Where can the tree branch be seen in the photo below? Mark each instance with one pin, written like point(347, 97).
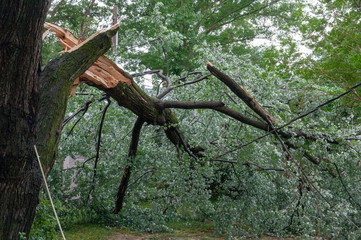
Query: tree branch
point(84, 109)
point(56, 8)
point(242, 94)
point(55, 84)
point(247, 163)
point(83, 29)
point(98, 146)
point(187, 105)
point(344, 186)
point(170, 88)
point(133, 148)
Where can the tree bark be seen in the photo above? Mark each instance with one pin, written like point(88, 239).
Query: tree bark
point(21, 25)
point(32, 107)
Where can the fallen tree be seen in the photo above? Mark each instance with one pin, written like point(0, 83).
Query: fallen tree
point(119, 85)
point(33, 104)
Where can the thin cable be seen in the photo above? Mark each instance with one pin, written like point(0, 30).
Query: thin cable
point(47, 189)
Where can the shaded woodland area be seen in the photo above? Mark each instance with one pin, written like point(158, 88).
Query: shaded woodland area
point(245, 114)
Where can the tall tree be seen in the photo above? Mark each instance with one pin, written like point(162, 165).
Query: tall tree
point(32, 107)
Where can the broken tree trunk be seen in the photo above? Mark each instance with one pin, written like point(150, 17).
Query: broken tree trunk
point(55, 86)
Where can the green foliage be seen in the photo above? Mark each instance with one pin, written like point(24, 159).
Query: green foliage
point(253, 189)
point(88, 231)
point(44, 226)
point(332, 31)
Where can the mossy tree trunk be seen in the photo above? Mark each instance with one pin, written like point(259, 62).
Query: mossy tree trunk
point(32, 107)
point(21, 25)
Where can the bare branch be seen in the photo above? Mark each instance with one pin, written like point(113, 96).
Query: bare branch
point(344, 186)
point(98, 145)
point(218, 106)
point(84, 109)
point(83, 29)
point(221, 160)
point(242, 94)
point(247, 163)
point(166, 61)
point(133, 148)
point(170, 88)
point(187, 75)
point(56, 8)
point(145, 173)
point(188, 105)
point(185, 147)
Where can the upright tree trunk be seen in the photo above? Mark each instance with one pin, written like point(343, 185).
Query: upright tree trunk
point(21, 25)
point(32, 106)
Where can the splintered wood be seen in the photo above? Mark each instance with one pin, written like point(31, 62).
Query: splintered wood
point(103, 72)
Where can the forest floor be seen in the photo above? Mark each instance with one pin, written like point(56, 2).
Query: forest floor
point(181, 231)
point(179, 235)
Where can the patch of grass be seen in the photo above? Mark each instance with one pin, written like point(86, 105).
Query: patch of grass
point(89, 232)
point(189, 230)
point(200, 230)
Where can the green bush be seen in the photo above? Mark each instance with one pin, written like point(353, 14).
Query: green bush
point(44, 226)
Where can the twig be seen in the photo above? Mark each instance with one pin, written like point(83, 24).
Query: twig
point(231, 98)
point(221, 160)
point(344, 186)
point(187, 75)
point(170, 88)
point(186, 147)
point(84, 109)
point(145, 173)
point(98, 145)
point(247, 163)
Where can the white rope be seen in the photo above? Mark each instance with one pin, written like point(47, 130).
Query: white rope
point(47, 189)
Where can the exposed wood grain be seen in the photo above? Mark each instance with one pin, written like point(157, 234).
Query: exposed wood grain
point(103, 72)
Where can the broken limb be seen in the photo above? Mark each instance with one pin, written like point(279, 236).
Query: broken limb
point(242, 94)
point(133, 148)
point(55, 85)
point(131, 96)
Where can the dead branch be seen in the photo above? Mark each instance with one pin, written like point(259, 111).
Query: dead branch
point(166, 61)
point(133, 148)
point(344, 186)
point(84, 109)
point(247, 163)
point(242, 94)
point(98, 146)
